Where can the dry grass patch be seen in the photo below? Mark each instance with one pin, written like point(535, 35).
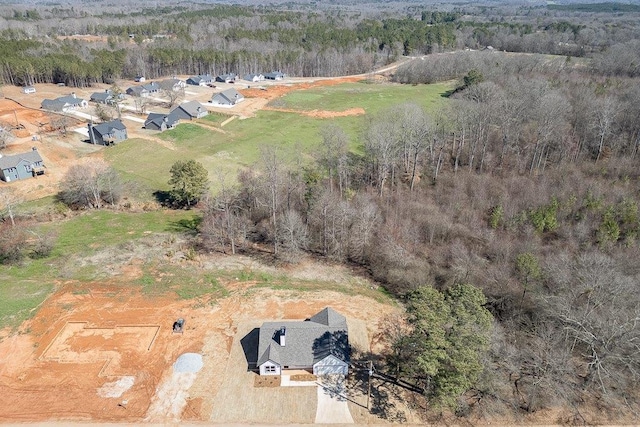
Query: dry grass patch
point(304, 377)
point(267, 381)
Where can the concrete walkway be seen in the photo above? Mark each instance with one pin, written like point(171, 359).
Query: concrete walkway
point(332, 405)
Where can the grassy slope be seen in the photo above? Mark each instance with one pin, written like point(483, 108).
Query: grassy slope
point(146, 162)
point(240, 145)
point(24, 287)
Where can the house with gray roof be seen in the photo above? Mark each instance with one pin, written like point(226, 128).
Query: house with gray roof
point(254, 78)
point(226, 78)
point(190, 110)
point(21, 166)
point(227, 98)
point(153, 88)
point(64, 103)
point(105, 97)
point(319, 344)
point(107, 133)
point(138, 91)
point(172, 84)
point(275, 75)
point(161, 121)
point(200, 80)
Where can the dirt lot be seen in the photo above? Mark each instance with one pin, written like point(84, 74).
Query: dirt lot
point(103, 352)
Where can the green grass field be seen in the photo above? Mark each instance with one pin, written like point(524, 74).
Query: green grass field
point(296, 135)
point(23, 287)
point(372, 97)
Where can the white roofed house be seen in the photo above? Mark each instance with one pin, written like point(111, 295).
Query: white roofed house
point(227, 98)
point(319, 344)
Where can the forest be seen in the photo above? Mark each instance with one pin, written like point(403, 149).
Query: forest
point(507, 222)
point(327, 41)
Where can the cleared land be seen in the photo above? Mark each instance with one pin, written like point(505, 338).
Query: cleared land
point(96, 344)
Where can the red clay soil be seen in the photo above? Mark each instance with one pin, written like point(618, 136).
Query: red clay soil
point(22, 121)
point(321, 114)
point(54, 369)
point(276, 91)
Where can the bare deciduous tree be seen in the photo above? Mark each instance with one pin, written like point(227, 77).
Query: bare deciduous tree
point(90, 183)
point(9, 199)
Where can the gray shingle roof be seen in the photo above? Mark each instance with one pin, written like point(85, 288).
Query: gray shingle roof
point(11, 161)
point(307, 342)
point(230, 96)
point(158, 118)
point(100, 96)
point(193, 108)
point(108, 127)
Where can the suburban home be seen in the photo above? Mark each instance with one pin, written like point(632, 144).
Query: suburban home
point(64, 103)
point(229, 97)
point(107, 133)
point(21, 166)
point(138, 91)
point(319, 344)
point(105, 97)
point(152, 87)
point(28, 89)
point(200, 80)
point(276, 75)
point(226, 78)
point(172, 84)
point(254, 77)
point(161, 122)
point(190, 110)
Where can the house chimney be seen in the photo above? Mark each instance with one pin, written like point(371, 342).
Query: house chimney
point(92, 137)
point(283, 334)
point(73, 94)
point(34, 149)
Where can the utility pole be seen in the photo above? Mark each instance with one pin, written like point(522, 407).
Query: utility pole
point(369, 386)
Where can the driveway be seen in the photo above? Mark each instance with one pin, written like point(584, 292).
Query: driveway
point(332, 403)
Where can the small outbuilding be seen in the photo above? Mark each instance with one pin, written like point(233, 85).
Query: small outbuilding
point(28, 89)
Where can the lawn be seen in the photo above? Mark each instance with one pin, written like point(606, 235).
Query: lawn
point(372, 97)
point(224, 154)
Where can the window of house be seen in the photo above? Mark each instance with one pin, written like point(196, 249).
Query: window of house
point(270, 369)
